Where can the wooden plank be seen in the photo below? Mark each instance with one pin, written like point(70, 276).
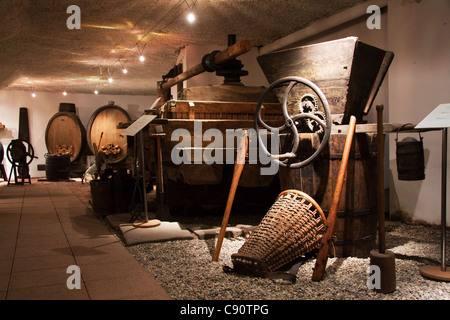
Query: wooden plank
point(372, 128)
point(225, 93)
point(219, 106)
point(24, 130)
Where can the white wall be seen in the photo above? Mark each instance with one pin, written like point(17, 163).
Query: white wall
point(373, 37)
point(419, 33)
point(45, 105)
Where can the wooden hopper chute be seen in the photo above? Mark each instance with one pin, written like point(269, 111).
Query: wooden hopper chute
point(348, 71)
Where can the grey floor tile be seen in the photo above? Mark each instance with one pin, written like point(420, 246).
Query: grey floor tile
point(52, 292)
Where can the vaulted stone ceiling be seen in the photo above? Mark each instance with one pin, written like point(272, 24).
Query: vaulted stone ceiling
point(38, 51)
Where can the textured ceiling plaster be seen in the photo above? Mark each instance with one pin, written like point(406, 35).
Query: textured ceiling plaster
point(38, 51)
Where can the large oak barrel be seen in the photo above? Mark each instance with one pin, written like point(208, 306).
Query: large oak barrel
point(65, 133)
point(356, 224)
point(103, 124)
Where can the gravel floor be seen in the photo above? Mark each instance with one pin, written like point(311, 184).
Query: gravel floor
point(186, 270)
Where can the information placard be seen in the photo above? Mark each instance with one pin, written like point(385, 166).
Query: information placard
point(138, 125)
point(438, 118)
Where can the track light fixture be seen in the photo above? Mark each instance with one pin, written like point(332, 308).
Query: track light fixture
point(110, 79)
point(124, 70)
point(191, 16)
point(141, 52)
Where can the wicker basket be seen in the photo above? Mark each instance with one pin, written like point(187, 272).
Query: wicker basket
point(292, 228)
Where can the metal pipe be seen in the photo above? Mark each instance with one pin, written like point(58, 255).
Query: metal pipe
point(444, 198)
point(142, 165)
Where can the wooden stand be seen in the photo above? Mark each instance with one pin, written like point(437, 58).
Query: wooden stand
point(137, 127)
point(146, 223)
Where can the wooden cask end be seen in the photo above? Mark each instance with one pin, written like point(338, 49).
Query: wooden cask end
point(105, 120)
point(65, 131)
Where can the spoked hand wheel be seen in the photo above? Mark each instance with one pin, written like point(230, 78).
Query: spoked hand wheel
point(20, 151)
point(322, 120)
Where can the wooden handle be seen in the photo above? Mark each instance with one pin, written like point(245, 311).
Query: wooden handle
point(322, 256)
point(380, 178)
point(238, 167)
point(228, 54)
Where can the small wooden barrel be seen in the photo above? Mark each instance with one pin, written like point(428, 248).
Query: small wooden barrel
point(57, 167)
point(65, 133)
point(356, 224)
point(67, 107)
point(410, 158)
point(105, 120)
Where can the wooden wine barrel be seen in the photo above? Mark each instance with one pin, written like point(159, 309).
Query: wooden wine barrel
point(356, 225)
point(105, 120)
point(67, 107)
point(65, 132)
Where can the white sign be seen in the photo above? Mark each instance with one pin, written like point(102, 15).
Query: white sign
point(138, 125)
point(438, 118)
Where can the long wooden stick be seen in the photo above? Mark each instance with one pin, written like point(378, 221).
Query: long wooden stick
point(322, 256)
point(380, 179)
point(238, 167)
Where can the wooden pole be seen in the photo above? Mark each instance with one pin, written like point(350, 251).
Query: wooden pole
point(322, 256)
point(380, 179)
point(238, 167)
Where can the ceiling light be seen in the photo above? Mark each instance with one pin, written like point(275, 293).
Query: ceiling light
point(124, 70)
point(95, 91)
point(141, 58)
point(191, 17)
point(110, 80)
point(33, 95)
point(64, 93)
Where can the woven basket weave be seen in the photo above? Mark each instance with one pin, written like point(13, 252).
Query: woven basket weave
point(292, 227)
